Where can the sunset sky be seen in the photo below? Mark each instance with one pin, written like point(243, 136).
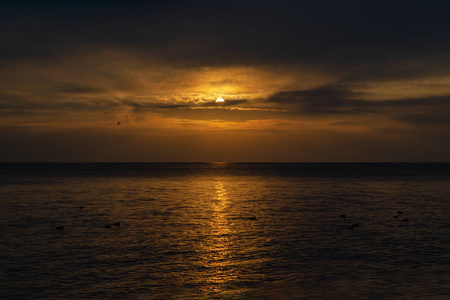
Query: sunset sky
point(302, 81)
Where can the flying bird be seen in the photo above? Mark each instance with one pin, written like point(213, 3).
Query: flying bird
point(118, 123)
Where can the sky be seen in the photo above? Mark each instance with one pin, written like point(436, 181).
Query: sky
point(302, 81)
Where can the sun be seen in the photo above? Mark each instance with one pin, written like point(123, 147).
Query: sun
point(220, 99)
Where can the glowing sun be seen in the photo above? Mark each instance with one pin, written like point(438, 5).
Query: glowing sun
point(220, 99)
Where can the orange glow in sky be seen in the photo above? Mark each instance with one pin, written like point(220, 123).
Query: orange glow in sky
point(223, 93)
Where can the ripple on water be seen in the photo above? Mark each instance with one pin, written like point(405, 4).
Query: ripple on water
point(221, 235)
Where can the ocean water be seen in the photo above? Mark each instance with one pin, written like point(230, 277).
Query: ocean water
point(225, 231)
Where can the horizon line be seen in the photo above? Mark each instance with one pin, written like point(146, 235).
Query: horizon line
point(223, 162)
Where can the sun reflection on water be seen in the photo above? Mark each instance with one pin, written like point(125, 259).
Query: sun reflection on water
point(218, 247)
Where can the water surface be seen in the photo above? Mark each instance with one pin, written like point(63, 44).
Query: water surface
point(252, 231)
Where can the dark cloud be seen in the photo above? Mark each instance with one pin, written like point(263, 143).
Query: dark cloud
point(21, 103)
point(17, 102)
point(71, 88)
point(329, 100)
point(230, 32)
point(148, 106)
point(322, 100)
point(29, 103)
point(438, 118)
point(223, 104)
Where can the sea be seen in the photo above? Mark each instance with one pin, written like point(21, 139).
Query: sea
point(225, 231)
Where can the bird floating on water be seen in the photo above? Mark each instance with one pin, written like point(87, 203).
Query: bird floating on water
point(356, 225)
point(399, 212)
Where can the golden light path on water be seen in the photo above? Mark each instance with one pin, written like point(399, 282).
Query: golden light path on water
point(218, 247)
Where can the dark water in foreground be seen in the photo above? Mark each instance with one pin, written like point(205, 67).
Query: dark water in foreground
point(233, 231)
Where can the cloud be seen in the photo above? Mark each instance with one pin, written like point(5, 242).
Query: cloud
point(177, 104)
point(72, 88)
point(321, 100)
point(226, 103)
point(150, 106)
point(438, 118)
point(338, 100)
point(217, 33)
